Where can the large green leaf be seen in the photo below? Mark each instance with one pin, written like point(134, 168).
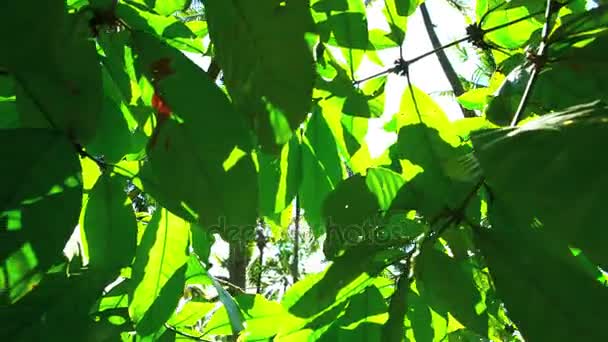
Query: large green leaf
point(341, 280)
point(263, 318)
point(268, 67)
point(518, 34)
point(9, 117)
point(351, 212)
point(532, 272)
point(439, 186)
point(216, 180)
point(59, 80)
point(360, 320)
point(321, 169)
point(548, 169)
point(448, 286)
point(110, 228)
point(118, 64)
point(279, 177)
point(159, 271)
point(394, 329)
point(57, 310)
point(114, 139)
point(40, 201)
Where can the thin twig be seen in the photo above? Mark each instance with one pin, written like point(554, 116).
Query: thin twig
point(183, 334)
point(443, 47)
point(226, 282)
point(378, 74)
point(541, 55)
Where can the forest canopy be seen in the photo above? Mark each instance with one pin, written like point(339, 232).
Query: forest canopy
point(171, 169)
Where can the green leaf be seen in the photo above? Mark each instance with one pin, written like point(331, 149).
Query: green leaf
point(448, 286)
point(321, 169)
point(421, 108)
point(109, 225)
point(360, 320)
point(159, 271)
point(279, 177)
point(57, 308)
point(216, 180)
point(164, 7)
point(41, 177)
point(61, 88)
point(191, 313)
point(503, 105)
point(515, 35)
point(394, 329)
point(436, 188)
point(263, 318)
point(170, 29)
point(350, 213)
point(532, 271)
point(339, 93)
point(420, 319)
point(235, 316)
point(265, 59)
point(167, 7)
point(349, 29)
point(396, 13)
point(384, 184)
point(120, 81)
point(552, 160)
point(475, 98)
point(340, 281)
point(114, 139)
point(576, 77)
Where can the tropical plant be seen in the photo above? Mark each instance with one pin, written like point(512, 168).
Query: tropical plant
point(124, 162)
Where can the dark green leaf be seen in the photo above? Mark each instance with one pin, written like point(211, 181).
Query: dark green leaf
point(267, 65)
point(341, 280)
point(559, 180)
point(394, 329)
point(61, 88)
point(215, 179)
point(57, 309)
point(41, 179)
point(448, 286)
point(350, 212)
point(532, 272)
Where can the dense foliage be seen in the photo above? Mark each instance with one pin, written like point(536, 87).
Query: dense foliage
point(123, 161)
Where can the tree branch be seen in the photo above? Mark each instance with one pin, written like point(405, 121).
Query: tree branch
point(449, 71)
